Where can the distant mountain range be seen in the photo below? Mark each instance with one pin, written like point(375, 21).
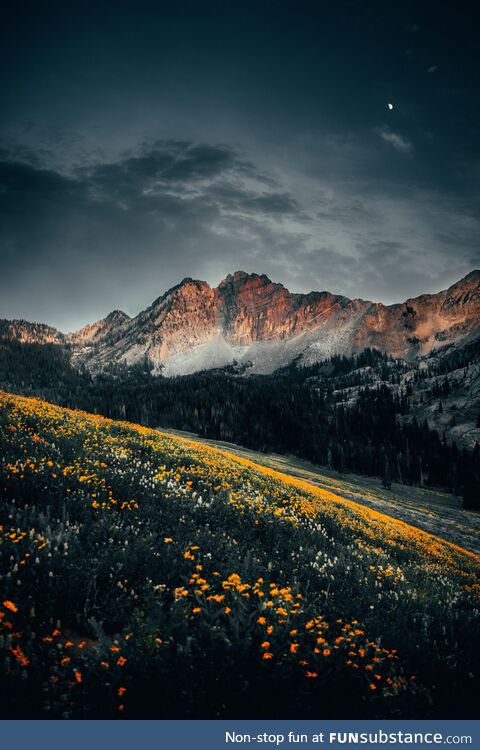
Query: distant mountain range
point(259, 324)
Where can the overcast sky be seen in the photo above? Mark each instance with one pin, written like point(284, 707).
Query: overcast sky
point(142, 142)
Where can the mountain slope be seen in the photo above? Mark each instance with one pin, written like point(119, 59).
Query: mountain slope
point(260, 324)
point(30, 333)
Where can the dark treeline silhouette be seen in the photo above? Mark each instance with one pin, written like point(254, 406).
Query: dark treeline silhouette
point(297, 410)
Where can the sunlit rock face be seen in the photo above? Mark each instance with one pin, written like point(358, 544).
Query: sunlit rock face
point(250, 319)
point(424, 323)
point(252, 308)
point(182, 318)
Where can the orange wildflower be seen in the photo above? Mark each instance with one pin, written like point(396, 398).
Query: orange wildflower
point(20, 656)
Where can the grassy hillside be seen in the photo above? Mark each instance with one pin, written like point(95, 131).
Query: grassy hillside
point(145, 575)
point(366, 414)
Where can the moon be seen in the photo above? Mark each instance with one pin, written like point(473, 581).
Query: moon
point(390, 106)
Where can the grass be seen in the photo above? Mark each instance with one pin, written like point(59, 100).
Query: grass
point(435, 511)
point(145, 575)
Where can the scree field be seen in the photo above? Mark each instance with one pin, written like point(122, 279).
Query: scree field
point(144, 575)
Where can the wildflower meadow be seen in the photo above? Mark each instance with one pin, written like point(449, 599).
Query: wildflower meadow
point(144, 575)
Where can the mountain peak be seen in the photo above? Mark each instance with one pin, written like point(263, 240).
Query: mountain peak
point(95, 332)
point(472, 276)
point(243, 276)
point(188, 281)
point(116, 316)
point(468, 284)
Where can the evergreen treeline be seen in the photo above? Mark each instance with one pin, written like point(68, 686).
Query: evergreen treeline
point(296, 410)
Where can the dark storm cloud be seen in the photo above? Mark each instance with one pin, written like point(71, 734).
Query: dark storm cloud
point(180, 174)
point(166, 162)
point(88, 233)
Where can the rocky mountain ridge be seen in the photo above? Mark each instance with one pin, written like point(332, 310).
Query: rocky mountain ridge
point(257, 323)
